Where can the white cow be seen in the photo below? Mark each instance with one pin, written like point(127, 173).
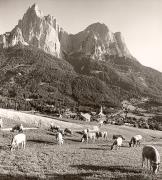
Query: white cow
point(135, 140)
point(89, 135)
point(93, 129)
point(17, 140)
point(59, 138)
point(151, 154)
point(117, 142)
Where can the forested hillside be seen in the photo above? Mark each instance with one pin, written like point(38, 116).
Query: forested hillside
point(29, 75)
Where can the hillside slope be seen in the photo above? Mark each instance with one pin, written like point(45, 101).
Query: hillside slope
point(126, 76)
point(30, 74)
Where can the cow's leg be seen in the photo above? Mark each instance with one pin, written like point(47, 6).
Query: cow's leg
point(143, 160)
point(94, 139)
point(150, 165)
point(147, 163)
point(87, 140)
point(24, 144)
point(112, 147)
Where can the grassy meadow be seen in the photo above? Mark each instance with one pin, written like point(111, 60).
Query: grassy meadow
point(44, 159)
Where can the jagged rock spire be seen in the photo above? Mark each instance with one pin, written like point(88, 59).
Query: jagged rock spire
point(45, 33)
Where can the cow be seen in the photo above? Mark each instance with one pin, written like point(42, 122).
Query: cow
point(102, 134)
point(116, 136)
point(117, 142)
point(17, 140)
point(18, 127)
point(88, 135)
point(53, 127)
point(135, 140)
point(59, 138)
point(151, 154)
point(68, 131)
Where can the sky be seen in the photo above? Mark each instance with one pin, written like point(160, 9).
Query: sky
point(140, 21)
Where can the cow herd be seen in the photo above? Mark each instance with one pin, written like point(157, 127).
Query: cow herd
point(149, 153)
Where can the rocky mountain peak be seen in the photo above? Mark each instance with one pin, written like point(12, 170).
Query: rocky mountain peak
point(34, 9)
point(97, 41)
point(99, 28)
point(44, 32)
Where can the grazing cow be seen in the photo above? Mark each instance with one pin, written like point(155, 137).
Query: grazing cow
point(135, 140)
point(93, 129)
point(84, 137)
point(102, 134)
point(53, 127)
point(68, 131)
point(151, 154)
point(117, 142)
point(18, 127)
point(88, 135)
point(59, 138)
point(17, 140)
point(92, 136)
point(116, 136)
point(1, 123)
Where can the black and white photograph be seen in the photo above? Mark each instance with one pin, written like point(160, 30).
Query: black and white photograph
point(80, 89)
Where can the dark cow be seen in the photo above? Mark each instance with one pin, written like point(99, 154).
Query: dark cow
point(68, 131)
point(18, 127)
point(118, 135)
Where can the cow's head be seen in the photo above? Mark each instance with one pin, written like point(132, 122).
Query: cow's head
point(155, 167)
point(130, 144)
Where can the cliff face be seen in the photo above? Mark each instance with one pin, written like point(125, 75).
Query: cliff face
point(97, 40)
point(36, 30)
point(44, 32)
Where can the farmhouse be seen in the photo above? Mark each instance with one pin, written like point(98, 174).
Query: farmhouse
point(85, 116)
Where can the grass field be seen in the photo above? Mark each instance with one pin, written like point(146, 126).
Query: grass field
point(44, 159)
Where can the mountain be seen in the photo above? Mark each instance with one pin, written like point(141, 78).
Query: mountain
point(97, 40)
point(41, 63)
point(36, 30)
point(44, 32)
